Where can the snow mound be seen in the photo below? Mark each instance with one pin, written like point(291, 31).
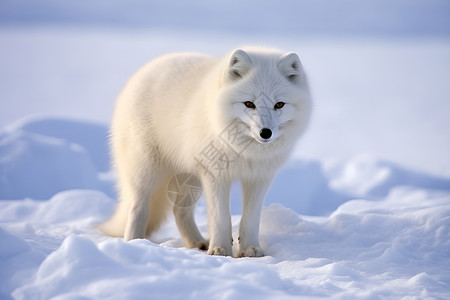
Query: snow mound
point(92, 137)
point(367, 176)
point(118, 270)
point(18, 262)
point(40, 157)
point(82, 207)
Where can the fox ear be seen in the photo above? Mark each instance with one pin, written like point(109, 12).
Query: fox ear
point(239, 64)
point(291, 67)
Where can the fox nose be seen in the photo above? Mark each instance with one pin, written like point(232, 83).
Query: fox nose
point(265, 133)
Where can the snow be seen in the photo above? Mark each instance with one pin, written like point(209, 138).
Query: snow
point(361, 211)
point(77, 153)
point(393, 247)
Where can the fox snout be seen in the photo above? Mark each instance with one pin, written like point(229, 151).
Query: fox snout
point(265, 133)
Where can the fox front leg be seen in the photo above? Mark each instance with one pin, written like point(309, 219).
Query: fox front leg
point(217, 194)
point(253, 192)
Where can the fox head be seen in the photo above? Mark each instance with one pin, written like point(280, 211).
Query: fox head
point(267, 94)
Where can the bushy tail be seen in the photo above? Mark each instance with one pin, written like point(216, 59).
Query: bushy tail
point(115, 226)
point(159, 206)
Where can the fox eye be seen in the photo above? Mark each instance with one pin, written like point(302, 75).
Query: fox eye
point(278, 105)
point(249, 104)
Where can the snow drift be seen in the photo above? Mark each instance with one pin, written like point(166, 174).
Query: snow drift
point(40, 157)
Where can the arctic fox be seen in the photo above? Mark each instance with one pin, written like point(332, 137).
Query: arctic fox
point(190, 122)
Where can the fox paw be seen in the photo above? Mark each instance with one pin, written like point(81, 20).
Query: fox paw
point(218, 251)
point(202, 245)
point(251, 251)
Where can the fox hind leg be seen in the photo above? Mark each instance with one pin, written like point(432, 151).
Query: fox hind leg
point(139, 182)
point(184, 190)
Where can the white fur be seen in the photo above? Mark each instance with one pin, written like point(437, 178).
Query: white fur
point(180, 104)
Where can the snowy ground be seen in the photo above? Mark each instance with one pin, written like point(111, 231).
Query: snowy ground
point(361, 211)
point(391, 241)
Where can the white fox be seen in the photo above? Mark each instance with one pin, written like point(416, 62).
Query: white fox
point(189, 120)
